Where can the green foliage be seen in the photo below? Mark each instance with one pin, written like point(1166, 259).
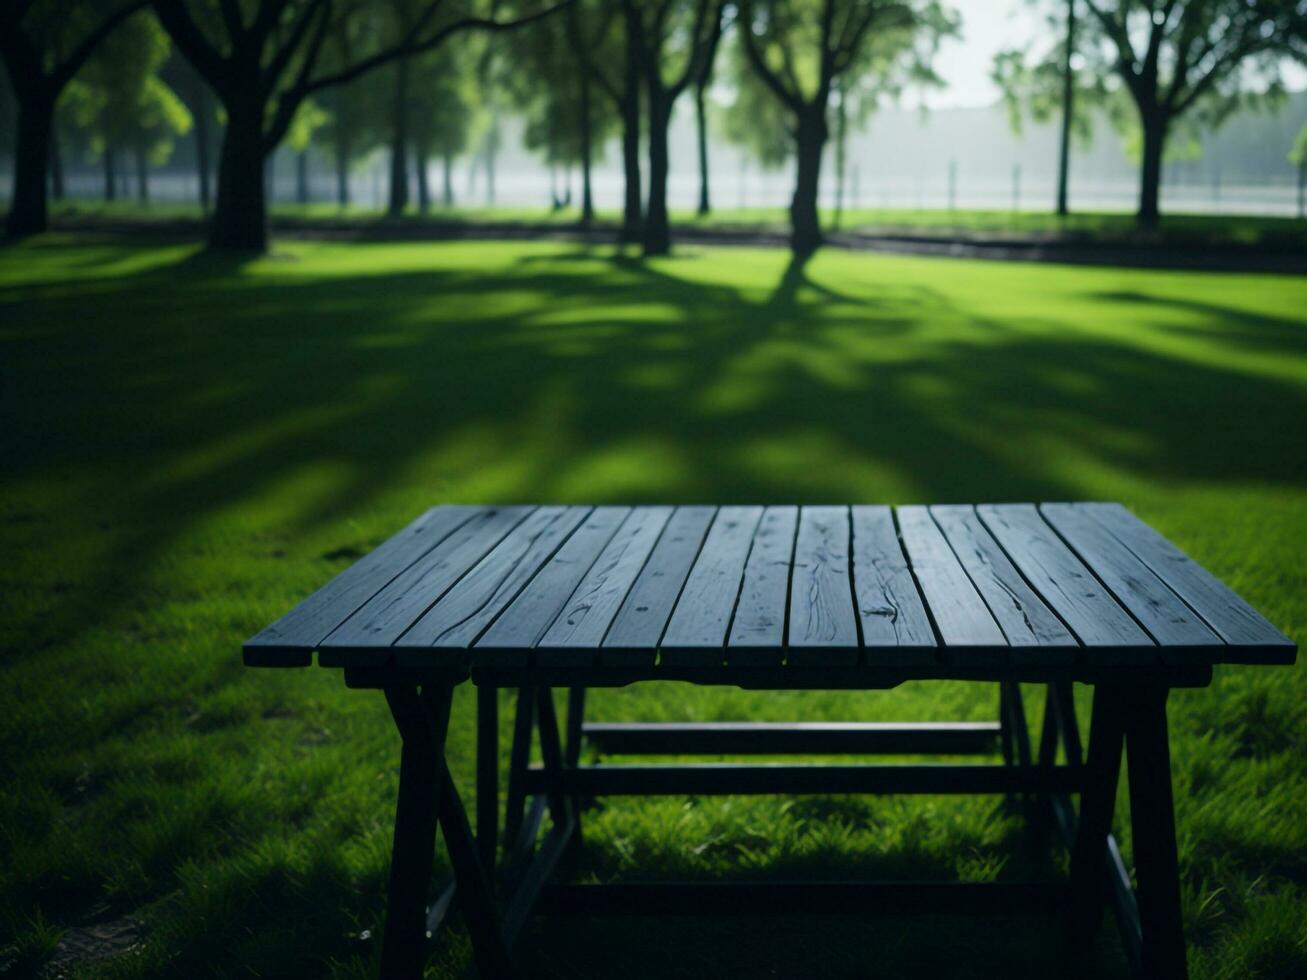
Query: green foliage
point(119, 100)
point(1298, 154)
point(755, 120)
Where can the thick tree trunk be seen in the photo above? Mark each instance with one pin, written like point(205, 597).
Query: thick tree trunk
point(448, 181)
point(203, 110)
point(632, 212)
point(110, 173)
point(1068, 108)
point(587, 199)
point(240, 214)
point(1150, 174)
point(399, 143)
point(701, 120)
point(424, 188)
point(805, 222)
point(657, 238)
point(28, 207)
point(142, 176)
point(56, 166)
point(302, 176)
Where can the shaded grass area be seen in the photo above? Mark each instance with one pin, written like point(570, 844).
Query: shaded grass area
point(1100, 228)
point(192, 444)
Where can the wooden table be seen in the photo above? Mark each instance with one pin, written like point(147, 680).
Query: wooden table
point(776, 598)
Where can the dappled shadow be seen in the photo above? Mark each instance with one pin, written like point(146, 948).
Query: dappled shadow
point(143, 407)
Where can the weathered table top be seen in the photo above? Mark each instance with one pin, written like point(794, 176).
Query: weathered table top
point(803, 587)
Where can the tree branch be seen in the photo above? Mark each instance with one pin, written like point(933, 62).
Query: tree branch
point(792, 100)
point(197, 48)
point(63, 73)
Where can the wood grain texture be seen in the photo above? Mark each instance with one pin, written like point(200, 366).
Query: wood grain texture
point(292, 638)
point(366, 636)
point(1067, 586)
point(696, 633)
point(575, 636)
point(1173, 625)
point(1250, 637)
point(965, 626)
point(1024, 618)
point(758, 630)
point(469, 608)
point(823, 626)
point(633, 638)
point(521, 626)
point(895, 626)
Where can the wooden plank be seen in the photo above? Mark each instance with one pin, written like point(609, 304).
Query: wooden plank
point(895, 626)
point(292, 638)
point(696, 633)
point(1067, 586)
point(966, 627)
point(823, 626)
point(469, 608)
point(758, 629)
point(510, 639)
point(1178, 631)
point(1033, 630)
point(633, 638)
point(365, 637)
point(575, 636)
point(1250, 637)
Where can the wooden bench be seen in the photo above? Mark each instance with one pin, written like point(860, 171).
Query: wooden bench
point(775, 598)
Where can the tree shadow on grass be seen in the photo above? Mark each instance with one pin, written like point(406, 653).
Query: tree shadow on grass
point(144, 409)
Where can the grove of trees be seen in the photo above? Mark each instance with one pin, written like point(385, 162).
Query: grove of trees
point(118, 82)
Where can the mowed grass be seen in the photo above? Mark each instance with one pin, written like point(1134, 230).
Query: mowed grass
point(190, 445)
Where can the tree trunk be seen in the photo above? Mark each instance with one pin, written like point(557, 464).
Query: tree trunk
point(701, 120)
point(448, 179)
point(657, 233)
point(841, 141)
point(240, 214)
point(1150, 175)
point(810, 141)
point(399, 143)
point(492, 147)
point(587, 200)
point(1302, 187)
point(200, 98)
point(1068, 108)
point(302, 176)
point(56, 165)
point(632, 213)
point(142, 176)
point(342, 171)
point(28, 208)
point(110, 173)
point(424, 189)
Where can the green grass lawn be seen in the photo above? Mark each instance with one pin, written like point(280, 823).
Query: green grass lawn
point(191, 445)
point(1099, 227)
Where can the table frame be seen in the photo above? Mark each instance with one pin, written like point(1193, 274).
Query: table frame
point(1128, 721)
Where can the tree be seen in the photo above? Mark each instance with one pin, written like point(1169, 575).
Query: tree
point(122, 104)
point(801, 49)
point(356, 110)
point(667, 35)
point(606, 42)
point(262, 59)
point(44, 44)
point(1298, 157)
point(755, 120)
point(1195, 59)
point(443, 110)
point(701, 82)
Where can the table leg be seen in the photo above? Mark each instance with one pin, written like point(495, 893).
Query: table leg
point(422, 719)
point(1152, 819)
point(519, 756)
point(487, 774)
point(1097, 801)
point(575, 721)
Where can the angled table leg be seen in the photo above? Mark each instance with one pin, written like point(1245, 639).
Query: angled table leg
point(1097, 801)
point(487, 796)
point(1152, 819)
point(427, 795)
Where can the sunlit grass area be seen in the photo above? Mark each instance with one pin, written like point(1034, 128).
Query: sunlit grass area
point(192, 444)
point(1089, 226)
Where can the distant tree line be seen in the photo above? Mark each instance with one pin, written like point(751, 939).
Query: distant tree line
point(119, 81)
